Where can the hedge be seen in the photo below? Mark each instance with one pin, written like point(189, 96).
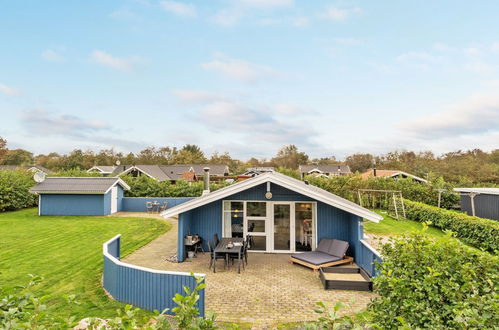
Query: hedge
point(14, 190)
point(478, 232)
point(435, 284)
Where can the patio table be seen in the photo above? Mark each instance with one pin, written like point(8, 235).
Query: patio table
point(222, 248)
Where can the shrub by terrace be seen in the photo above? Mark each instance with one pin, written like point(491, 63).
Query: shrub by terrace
point(435, 284)
point(14, 190)
point(479, 232)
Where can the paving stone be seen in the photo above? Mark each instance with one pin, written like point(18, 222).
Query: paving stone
point(269, 291)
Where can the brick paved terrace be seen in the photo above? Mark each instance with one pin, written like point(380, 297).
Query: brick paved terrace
point(268, 292)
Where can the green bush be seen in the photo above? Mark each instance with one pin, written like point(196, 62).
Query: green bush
point(347, 187)
point(435, 284)
point(76, 172)
point(144, 186)
point(14, 190)
point(479, 232)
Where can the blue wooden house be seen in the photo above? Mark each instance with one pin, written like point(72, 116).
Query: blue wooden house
point(281, 214)
point(80, 196)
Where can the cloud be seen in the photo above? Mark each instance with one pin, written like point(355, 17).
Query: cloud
point(266, 4)
point(417, 56)
point(478, 115)
point(193, 96)
point(472, 51)
point(349, 41)
point(240, 9)
point(228, 16)
point(481, 67)
point(118, 63)
point(43, 122)
point(271, 126)
point(179, 8)
point(52, 55)
point(441, 47)
point(338, 14)
point(299, 21)
point(9, 90)
point(239, 69)
point(125, 14)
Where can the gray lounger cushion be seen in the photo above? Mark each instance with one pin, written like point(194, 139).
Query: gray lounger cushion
point(324, 245)
point(338, 248)
point(315, 258)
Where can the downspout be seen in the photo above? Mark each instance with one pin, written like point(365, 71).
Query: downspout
point(472, 198)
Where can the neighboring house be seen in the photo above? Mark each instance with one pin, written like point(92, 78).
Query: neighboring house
point(79, 196)
point(280, 213)
point(324, 170)
point(480, 202)
point(105, 170)
point(171, 173)
point(391, 174)
point(254, 171)
point(32, 168)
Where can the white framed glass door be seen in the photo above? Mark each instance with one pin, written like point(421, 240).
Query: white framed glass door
point(283, 224)
point(256, 225)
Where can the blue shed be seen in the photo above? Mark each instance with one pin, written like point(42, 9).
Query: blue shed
point(281, 214)
point(80, 196)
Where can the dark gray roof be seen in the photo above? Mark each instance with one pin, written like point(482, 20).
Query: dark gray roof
point(325, 168)
point(173, 172)
point(86, 185)
point(102, 168)
point(25, 167)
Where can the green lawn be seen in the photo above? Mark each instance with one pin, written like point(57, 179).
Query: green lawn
point(391, 226)
point(67, 252)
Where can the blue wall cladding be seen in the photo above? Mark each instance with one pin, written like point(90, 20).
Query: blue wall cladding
point(56, 204)
point(207, 220)
point(138, 204)
point(278, 194)
point(142, 287)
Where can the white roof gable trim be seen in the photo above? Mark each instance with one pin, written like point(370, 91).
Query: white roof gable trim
point(486, 191)
point(138, 169)
point(408, 175)
point(283, 181)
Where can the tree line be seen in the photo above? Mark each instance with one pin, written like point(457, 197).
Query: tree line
point(466, 167)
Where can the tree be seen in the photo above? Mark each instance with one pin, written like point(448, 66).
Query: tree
point(3, 148)
point(289, 157)
point(189, 154)
point(360, 162)
point(18, 157)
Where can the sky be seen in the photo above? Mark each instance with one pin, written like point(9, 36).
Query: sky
point(249, 76)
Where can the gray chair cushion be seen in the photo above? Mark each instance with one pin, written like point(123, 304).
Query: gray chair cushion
point(315, 258)
point(324, 245)
point(338, 248)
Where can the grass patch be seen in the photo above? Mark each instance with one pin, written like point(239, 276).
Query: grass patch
point(67, 252)
point(391, 226)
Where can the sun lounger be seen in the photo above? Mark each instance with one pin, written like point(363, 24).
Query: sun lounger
point(329, 252)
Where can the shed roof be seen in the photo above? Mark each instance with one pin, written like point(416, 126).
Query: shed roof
point(172, 172)
point(77, 185)
point(325, 168)
point(103, 168)
point(281, 180)
point(390, 174)
point(487, 191)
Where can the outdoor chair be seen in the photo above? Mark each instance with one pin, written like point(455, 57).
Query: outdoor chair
point(329, 252)
point(244, 255)
point(212, 255)
point(163, 207)
point(199, 245)
point(216, 240)
point(149, 207)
